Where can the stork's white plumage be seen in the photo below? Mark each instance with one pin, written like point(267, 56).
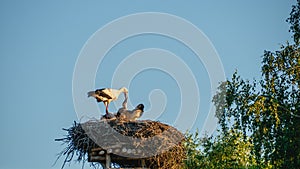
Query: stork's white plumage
point(106, 95)
point(130, 115)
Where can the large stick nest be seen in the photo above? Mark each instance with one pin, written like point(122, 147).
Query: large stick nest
point(127, 142)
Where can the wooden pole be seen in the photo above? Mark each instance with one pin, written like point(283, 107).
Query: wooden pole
point(107, 159)
point(143, 163)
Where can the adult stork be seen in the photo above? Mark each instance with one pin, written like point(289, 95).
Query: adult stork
point(106, 95)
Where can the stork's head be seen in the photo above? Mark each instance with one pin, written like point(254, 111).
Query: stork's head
point(140, 107)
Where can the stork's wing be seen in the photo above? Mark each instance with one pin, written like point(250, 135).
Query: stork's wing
point(105, 92)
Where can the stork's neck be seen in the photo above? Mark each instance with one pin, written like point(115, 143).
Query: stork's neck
point(125, 101)
point(123, 89)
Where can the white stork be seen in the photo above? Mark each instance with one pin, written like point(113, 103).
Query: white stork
point(130, 115)
point(106, 95)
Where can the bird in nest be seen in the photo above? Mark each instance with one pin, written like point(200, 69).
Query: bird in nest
point(107, 95)
point(130, 115)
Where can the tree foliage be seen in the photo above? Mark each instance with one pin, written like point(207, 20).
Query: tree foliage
point(224, 151)
point(259, 120)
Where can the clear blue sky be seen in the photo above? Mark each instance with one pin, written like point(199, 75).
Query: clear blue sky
point(41, 40)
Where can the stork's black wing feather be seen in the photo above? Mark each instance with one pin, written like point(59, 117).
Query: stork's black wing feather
point(104, 93)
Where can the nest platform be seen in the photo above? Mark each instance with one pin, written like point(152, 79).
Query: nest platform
point(138, 144)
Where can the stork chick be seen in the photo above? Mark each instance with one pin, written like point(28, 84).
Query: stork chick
point(130, 115)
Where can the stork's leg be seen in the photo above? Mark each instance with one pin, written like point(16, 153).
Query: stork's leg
point(106, 107)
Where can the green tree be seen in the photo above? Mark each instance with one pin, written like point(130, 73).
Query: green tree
point(269, 110)
point(224, 151)
point(259, 120)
